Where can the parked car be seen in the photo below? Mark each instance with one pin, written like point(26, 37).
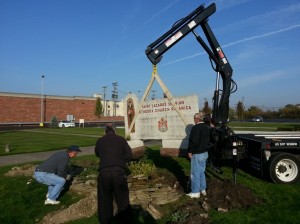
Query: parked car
point(66, 124)
point(258, 119)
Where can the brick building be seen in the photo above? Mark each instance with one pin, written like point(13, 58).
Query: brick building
point(32, 108)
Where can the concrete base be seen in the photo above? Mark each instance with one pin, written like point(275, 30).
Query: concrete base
point(138, 148)
point(174, 143)
point(174, 148)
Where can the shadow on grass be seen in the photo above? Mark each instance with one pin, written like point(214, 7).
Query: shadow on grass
point(243, 165)
point(171, 165)
point(73, 171)
point(296, 127)
point(289, 127)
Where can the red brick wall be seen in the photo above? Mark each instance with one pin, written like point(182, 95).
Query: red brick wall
point(28, 109)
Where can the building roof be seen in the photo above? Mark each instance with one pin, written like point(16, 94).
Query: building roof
point(45, 96)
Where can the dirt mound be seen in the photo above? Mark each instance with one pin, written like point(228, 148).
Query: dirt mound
point(221, 196)
point(26, 170)
point(228, 195)
point(82, 209)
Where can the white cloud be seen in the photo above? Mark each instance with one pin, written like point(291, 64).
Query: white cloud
point(246, 39)
point(262, 78)
point(159, 13)
point(262, 35)
point(271, 19)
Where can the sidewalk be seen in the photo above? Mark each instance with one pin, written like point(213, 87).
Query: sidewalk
point(38, 156)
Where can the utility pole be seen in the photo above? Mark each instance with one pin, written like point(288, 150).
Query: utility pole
point(104, 102)
point(153, 94)
point(42, 103)
point(114, 96)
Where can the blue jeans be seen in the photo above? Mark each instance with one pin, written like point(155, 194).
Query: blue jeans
point(198, 166)
point(55, 183)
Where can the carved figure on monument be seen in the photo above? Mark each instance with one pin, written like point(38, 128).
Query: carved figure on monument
point(130, 113)
point(163, 125)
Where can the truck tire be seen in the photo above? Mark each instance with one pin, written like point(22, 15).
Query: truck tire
point(284, 168)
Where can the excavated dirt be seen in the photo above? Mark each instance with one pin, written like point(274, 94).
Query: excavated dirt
point(222, 196)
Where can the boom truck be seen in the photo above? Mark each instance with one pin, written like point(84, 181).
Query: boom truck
point(273, 155)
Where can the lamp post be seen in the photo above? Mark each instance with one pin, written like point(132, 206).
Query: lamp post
point(107, 103)
point(104, 95)
point(42, 103)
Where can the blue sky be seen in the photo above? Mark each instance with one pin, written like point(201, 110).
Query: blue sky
point(81, 46)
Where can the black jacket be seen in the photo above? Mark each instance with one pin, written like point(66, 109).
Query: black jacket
point(113, 150)
point(199, 140)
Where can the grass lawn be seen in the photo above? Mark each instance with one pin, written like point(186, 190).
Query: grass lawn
point(23, 203)
point(281, 202)
point(265, 126)
point(48, 139)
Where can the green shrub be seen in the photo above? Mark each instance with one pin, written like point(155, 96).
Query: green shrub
point(53, 122)
point(179, 216)
point(141, 167)
point(84, 170)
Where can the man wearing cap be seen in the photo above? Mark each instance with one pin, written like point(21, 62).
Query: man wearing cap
point(114, 152)
point(53, 172)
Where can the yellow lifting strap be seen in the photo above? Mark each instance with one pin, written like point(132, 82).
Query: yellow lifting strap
point(154, 71)
point(166, 92)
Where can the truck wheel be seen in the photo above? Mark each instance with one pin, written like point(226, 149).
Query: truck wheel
point(284, 168)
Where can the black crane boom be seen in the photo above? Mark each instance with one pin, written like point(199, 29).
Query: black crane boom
point(199, 18)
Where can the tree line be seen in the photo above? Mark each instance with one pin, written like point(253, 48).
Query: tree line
point(240, 112)
point(289, 111)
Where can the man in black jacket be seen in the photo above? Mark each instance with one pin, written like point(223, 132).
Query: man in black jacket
point(199, 142)
point(114, 152)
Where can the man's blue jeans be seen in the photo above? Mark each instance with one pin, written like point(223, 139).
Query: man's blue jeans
point(198, 166)
point(55, 183)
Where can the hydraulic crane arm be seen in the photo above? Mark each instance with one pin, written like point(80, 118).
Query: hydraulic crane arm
point(199, 17)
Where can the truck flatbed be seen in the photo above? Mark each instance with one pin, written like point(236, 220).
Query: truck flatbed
point(274, 155)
